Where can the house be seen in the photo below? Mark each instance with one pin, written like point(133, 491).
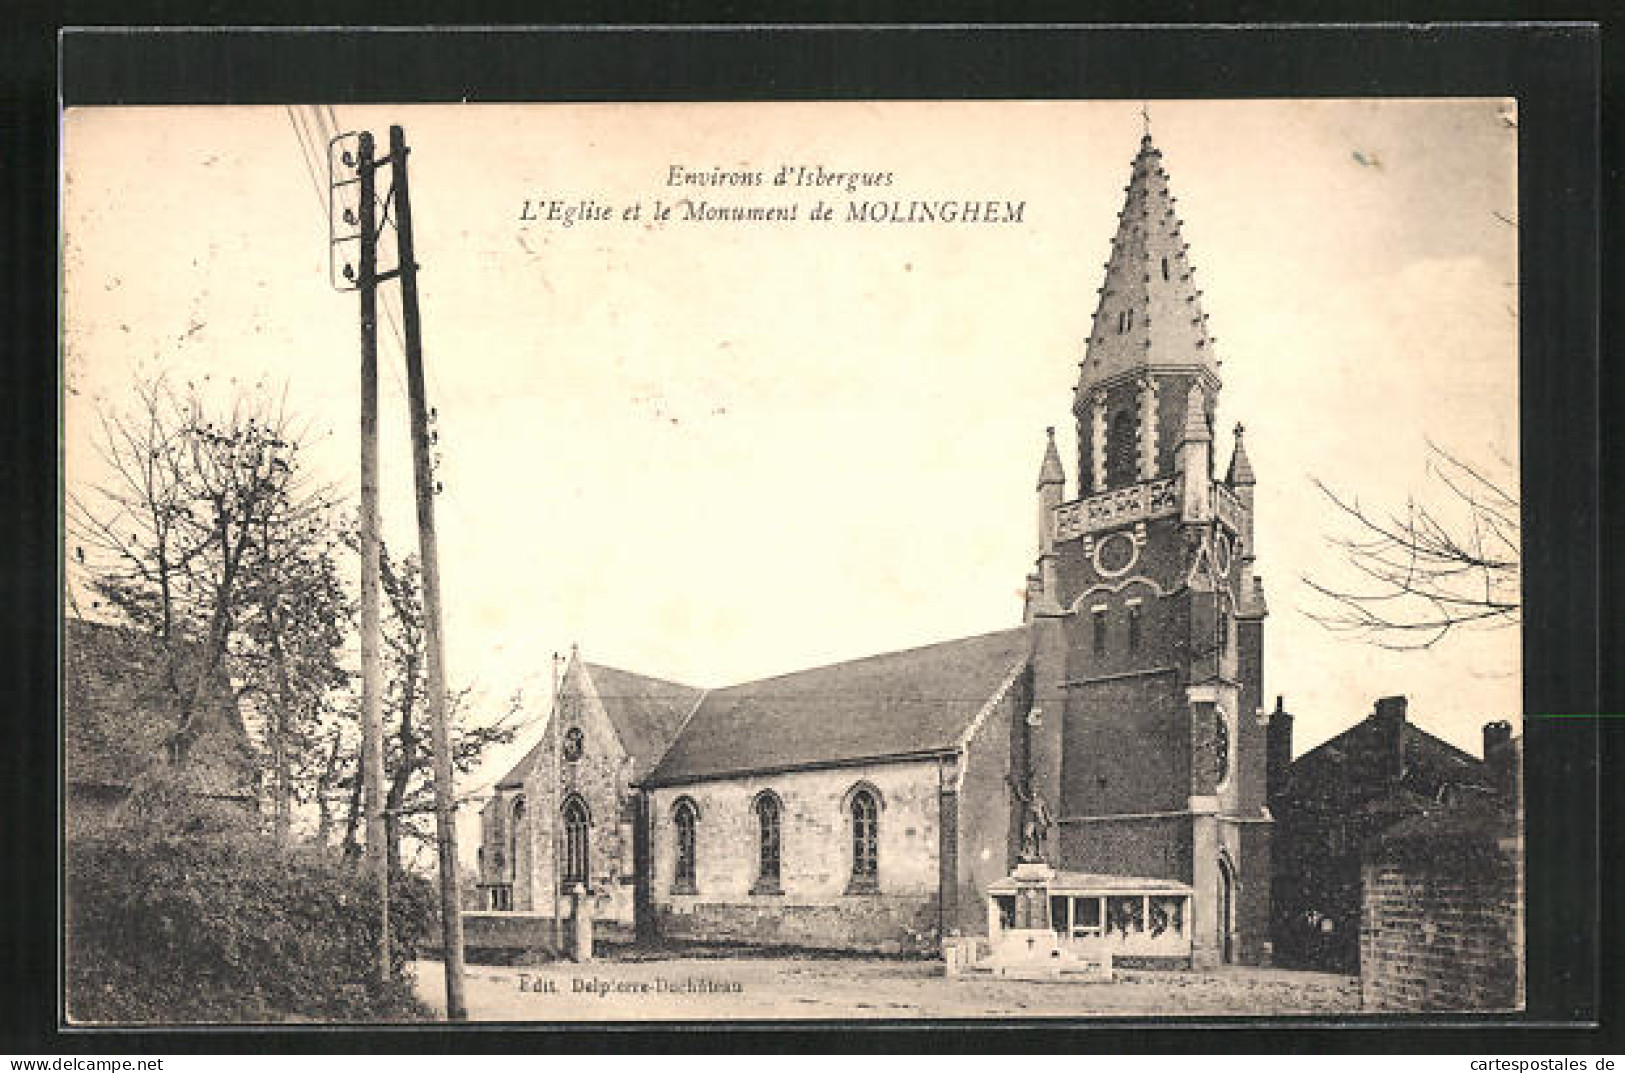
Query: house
point(1115, 735)
point(121, 703)
point(1334, 800)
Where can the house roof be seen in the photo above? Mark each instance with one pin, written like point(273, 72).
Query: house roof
point(1441, 830)
point(119, 709)
point(645, 712)
point(917, 702)
point(1429, 761)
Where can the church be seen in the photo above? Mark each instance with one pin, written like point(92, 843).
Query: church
point(1116, 735)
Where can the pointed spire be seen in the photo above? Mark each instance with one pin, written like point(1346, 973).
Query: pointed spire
point(1241, 471)
point(1050, 472)
point(1196, 430)
point(1149, 313)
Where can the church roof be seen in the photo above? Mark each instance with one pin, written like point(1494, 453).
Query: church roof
point(645, 712)
point(918, 702)
point(1150, 310)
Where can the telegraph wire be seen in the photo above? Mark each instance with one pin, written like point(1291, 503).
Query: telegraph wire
point(304, 153)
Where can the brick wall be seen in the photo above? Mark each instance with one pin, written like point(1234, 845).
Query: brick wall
point(1441, 931)
point(815, 908)
point(1155, 846)
point(1127, 747)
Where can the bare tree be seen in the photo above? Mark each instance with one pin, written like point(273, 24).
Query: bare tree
point(196, 519)
point(1441, 564)
point(409, 759)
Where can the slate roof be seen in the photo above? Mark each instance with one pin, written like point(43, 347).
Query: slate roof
point(915, 702)
point(1149, 313)
point(1430, 762)
point(645, 712)
point(118, 710)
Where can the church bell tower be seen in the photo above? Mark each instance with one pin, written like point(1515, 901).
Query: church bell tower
point(1146, 615)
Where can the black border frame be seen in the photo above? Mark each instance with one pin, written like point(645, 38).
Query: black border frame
point(1553, 69)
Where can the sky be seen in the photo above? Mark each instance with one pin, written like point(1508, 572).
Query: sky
point(713, 451)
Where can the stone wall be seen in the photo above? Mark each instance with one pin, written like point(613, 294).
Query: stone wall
point(1441, 931)
point(816, 907)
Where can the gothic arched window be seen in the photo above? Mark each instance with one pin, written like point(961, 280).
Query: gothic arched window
point(865, 839)
point(1122, 465)
point(577, 823)
point(768, 846)
point(685, 820)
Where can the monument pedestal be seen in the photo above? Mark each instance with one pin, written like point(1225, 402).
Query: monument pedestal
point(1023, 942)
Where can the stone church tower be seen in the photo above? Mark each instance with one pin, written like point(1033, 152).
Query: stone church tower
point(1147, 735)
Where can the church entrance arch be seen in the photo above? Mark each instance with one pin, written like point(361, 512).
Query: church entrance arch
point(1227, 912)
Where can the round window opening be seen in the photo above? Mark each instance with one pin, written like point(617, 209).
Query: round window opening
point(574, 740)
point(1115, 554)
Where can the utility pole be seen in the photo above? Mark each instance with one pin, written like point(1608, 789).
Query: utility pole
point(372, 718)
point(428, 549)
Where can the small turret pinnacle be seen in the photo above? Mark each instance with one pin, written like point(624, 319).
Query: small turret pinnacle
point(1196, 430)
point(1241, 471)
point(1051, 472)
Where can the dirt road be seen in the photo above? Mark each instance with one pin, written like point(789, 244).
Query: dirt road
point(855, 988)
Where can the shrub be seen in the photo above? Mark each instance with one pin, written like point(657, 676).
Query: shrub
point(178, 912)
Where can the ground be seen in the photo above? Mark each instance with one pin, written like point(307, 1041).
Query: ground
point(818, 988)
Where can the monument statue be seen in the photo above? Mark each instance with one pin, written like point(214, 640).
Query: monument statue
point(1035, 822)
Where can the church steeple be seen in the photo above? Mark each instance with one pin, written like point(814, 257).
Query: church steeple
point(1149, 313)
point(1149, 342)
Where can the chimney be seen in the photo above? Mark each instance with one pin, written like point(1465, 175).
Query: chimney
point(1500, 758)
point(1389, 721)
point(1277, 750)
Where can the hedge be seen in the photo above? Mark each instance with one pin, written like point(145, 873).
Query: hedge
point(183, 913)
